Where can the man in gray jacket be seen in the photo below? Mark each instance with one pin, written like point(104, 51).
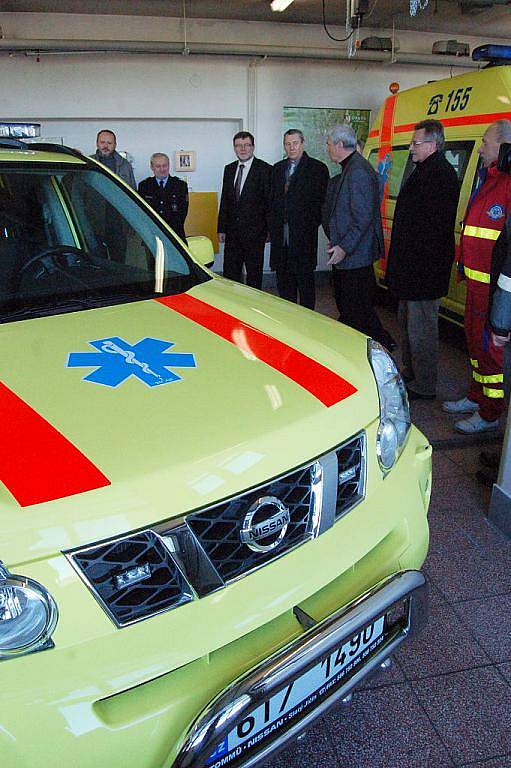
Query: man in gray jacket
point(109, 224)
point(107, 155)
point(352, 223)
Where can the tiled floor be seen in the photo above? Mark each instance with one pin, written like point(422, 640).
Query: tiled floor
point(447, 699)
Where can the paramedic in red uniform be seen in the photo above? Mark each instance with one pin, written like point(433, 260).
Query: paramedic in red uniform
point(486, 214)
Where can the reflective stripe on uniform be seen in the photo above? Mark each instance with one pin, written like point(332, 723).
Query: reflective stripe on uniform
point(474, 363)
point(504, 283)
point(474, 274)
point(494, 378)
point(483, 232)
point(490, 392)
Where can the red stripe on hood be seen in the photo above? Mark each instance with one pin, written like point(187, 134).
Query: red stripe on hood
point(324, 384)
point(37, 463)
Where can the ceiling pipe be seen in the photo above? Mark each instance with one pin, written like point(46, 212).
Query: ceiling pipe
point(45, 46)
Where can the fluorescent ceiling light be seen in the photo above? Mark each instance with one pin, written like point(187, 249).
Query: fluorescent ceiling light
point(280, 5)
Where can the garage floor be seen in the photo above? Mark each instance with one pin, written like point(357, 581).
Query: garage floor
point(446, 701)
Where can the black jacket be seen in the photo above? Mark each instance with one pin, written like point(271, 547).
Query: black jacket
point(422, 245)
point(302, 207)
point(500, 285)
point(171, 202)
point(247, 218)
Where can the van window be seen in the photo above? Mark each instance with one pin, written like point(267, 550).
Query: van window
point(456, 152)
point(393, 169)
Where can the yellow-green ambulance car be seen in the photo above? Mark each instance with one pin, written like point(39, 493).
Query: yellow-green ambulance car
point(213, 507)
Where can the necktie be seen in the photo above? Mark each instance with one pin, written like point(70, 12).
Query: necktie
point(160, 182)
point(289, 172)
point(237, 183)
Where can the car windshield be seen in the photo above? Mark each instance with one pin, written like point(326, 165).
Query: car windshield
point(73, 238)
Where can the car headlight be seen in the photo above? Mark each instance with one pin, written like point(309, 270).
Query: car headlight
point(28, 615)
point(394, 411)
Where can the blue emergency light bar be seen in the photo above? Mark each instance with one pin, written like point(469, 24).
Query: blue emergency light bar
point(20, 130)
point(497, 54)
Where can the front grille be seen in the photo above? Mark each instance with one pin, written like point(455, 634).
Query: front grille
point(218, 528)
point(351, 474)
point(134, 577)
point(155, 570)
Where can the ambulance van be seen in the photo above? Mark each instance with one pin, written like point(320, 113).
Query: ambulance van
point(466, 105)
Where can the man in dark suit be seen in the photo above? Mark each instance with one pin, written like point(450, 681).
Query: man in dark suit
point(352, 223)
point(243, 215)
point(167, 195)
point(298, 189)
point(421, 255)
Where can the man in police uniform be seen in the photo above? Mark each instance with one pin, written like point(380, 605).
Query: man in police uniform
point(167, 194)
point(486, 214)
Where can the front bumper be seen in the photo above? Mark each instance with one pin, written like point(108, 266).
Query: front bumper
point(130, 696)
point(402, 599)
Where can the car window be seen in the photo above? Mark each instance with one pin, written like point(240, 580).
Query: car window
point(72, 237)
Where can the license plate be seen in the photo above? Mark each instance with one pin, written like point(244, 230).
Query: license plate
point(300, 695)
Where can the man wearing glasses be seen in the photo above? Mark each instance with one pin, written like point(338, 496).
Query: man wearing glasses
point(421, 255)
point(243, 214)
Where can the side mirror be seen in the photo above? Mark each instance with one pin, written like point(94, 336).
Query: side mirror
point(201, 249)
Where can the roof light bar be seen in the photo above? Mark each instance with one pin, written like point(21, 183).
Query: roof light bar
point(492, 53)
point(20, 130)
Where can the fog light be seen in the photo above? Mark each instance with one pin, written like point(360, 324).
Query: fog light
point(28, 615)
point(387, 444)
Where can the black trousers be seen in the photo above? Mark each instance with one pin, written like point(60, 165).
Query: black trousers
point(354, 295)
point(299, 287)
point(238, 253)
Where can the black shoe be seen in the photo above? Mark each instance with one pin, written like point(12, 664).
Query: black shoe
point(490, 459)
point(413, 395)
point(487, 477)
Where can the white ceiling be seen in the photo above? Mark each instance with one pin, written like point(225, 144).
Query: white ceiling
point(480, 18)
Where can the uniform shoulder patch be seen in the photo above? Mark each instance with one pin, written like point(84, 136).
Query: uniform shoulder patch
point(496, 212)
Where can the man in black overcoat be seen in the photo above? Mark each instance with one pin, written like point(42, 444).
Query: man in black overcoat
point(421, 255)
point(243, 214)
point(298, 189)
point(166, 194)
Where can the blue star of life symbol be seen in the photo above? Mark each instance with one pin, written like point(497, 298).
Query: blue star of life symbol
point(116, 360)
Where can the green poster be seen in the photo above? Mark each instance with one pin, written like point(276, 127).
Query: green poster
point(315, 123)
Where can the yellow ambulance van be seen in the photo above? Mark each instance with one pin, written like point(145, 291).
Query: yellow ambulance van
point(466, 105)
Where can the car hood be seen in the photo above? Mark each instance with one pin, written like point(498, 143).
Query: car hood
point(116, 418)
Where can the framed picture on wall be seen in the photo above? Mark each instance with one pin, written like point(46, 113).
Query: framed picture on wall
point(185, 160)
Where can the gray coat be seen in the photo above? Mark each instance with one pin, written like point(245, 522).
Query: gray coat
point(351, 214)
point(122, 168)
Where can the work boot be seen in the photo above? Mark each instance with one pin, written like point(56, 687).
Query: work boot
point(464, 405)
point(490, 459)
point(487, 477)
point(474, 425)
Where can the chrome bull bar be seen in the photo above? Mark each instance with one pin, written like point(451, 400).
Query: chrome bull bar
point(402, 598)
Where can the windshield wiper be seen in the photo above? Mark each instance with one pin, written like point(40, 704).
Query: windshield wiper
point(41, 310)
